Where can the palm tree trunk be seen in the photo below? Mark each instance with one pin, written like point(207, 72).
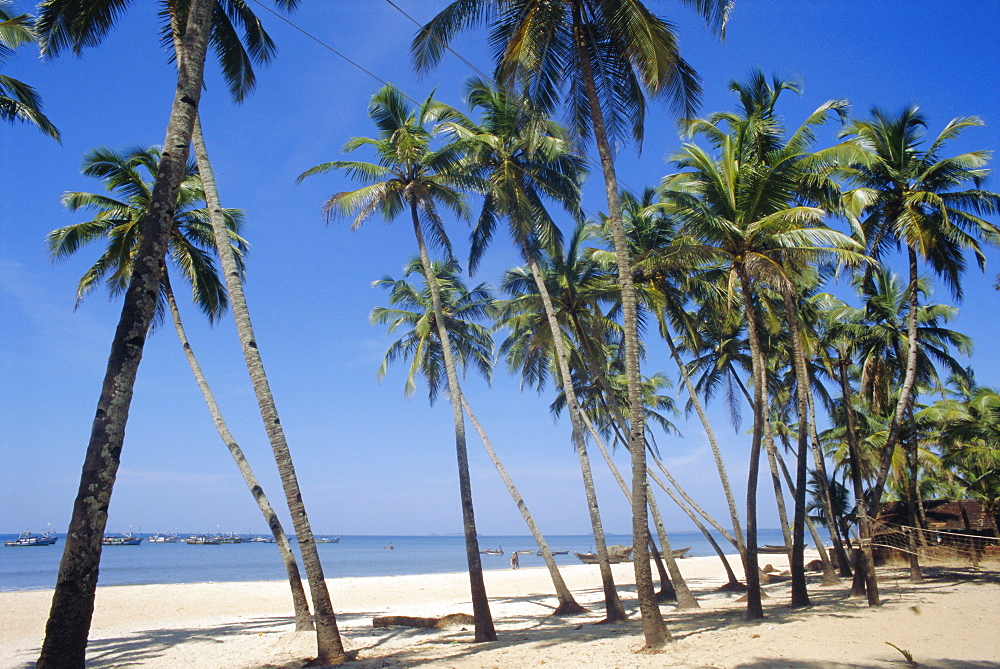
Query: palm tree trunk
point(831, 520)
point(567, 604)
point(755, 609)
point(330, 647)
point(727, 489)
point(303, 619)
point(909, 380)
point(614, 609)
point(829, 574)
point(653, 627)
point(484, 629)
point(916, 575)
point(779, 497)
point(865, 580)
point(697, 507)
point(72, 607)
point(800, 595)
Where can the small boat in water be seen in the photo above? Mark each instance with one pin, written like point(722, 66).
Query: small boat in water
point(201, 540)
point(261, 540)
point(121, 540)
point(229, 539)
point(539, 553)
point(390, 547)
point(616, 554)
point(28, 539)
point(328, 540)
point(492, 551)
point(525, 552)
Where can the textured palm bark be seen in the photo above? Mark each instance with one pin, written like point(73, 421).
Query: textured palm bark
point(329, 646)
point(567, 603)
point(484, 629)
point(303, 619)
point(613, 607)
point(755, 609)
point(653, 628)
point(70, 615)
point(779, 496)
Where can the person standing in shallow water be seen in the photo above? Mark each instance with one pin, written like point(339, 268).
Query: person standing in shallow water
point(515, 561)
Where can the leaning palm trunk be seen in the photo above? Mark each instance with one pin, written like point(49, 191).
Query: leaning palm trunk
point(330, 647)
point(567, 604)
point(303, 620)
point(612, 603)
point(779, 496)
point(685, 599)
point(483, 620)
point(653, 628)
point(733, 583)
point(72, 608)
point(727, 489)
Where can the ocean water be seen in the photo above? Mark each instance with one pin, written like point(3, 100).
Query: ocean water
point(34, 568)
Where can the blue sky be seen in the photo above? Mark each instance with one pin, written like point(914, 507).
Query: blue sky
point(370, 461)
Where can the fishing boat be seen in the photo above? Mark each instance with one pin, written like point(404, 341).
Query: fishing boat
point(328, 540)
point(492, 551)
point(539, 553)
point(28, 539)
point(616, 554)
point(261, 540)
point(201, 540)
point(121, 540)
point(390, 547)
point(163, 538)
point(680, 552)
point(229, 539)
point(524, 552)
point(771, 549)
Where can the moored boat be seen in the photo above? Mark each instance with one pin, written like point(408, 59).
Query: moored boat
point(616, 554)
point(163, 538)
point(201, 540)
point(121, 540)
point(28, 539)
point(539, 553)
point(680, 552)
point(328, 540)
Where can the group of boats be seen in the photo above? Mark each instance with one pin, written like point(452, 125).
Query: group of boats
point(130, 539)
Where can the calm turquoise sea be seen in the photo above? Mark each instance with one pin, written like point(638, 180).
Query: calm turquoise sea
point(35, 568)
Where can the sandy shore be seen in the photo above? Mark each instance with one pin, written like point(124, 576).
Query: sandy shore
point(951, 620)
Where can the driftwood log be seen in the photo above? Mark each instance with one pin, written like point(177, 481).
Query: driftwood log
point(450, 620)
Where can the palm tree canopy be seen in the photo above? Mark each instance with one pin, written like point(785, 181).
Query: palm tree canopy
point(18, 100)
point(408, 169)
point(78, 24)
point(120, 217)
point(413, 311)
point(631, 51)
point(915, 197)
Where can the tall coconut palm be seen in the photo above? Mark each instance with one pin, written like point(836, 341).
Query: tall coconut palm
point(604, 56)
point(473, 344)
point(413, 177)
point(64, 23)
point(750, 215)
point(121, 223)
point(929, 204)
point(523, 159)
point(18, 100)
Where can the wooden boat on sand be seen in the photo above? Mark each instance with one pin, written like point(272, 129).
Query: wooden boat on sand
point(616, 554)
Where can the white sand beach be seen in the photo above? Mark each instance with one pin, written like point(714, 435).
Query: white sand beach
point(951, 620)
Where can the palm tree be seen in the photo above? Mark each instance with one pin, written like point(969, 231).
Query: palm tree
point(18, 100)
point(473, 344)
point(605, 55)
point(524, 158)
point(745, 208)
point(917, 199)
point(121, 222)
point(70, 24)
point(65, 23)
point(410, 176)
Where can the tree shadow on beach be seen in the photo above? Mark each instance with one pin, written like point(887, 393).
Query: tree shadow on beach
point(136, 649)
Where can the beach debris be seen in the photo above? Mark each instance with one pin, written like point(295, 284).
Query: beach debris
point(450, 620)
point(906, 654)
